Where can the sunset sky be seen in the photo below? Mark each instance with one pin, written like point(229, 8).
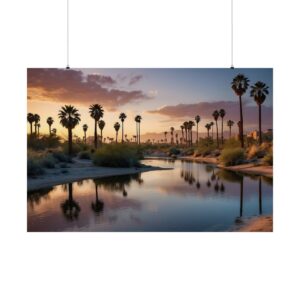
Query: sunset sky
point(163, 97)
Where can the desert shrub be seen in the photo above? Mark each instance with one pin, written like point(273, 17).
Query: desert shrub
point(232, 156)
point(76, 148)
point(116, 155)
point(43, 142)
point(34, 167)
point(205, 147)
point(174, 151)
point(232, 143)
point(61, 157)
point(48, 161)
point(268, 159)
point(84, 155)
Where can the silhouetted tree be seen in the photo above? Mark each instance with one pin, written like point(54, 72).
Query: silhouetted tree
point(50, 121)
point(138, 120)
point(96, 112)
point(259, 92)
point(37, 119)
point(101, 125)
point(30, 120)
point(85, 128)
point(222, 115)
point(240, 85)
point(69, 118)
point(117, 127)
point(230, 123)
point(216, 116)
point(122, 117)
point(197, 119)
point(172, 133)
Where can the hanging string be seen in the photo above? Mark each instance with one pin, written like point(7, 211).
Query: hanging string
point(232, 67)
point(68, 34)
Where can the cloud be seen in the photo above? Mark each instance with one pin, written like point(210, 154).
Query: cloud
point(205, 110)
point(72, 86)
point(135, 79)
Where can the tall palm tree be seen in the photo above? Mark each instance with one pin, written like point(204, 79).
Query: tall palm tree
point(96, 112)
point(212, 129)
point(216, 116)
point(222, 115)
point(122, 117)
point(117, 127)
point(50, 121)
point(69, 118)
point(190, 127)
point(259, 93)
point(38, 129)
point(240, 85)
point(85, 128)
point(230, 123)
point(165, 133)
point(208, 126)
point(37, 119)
point(138, 119)
point(30, 120)
point(101, 125)
point(186, 127)
point(197, 119)
point(172, 134)
point(182, 127)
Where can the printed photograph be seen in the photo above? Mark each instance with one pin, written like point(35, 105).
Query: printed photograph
point(149, 150)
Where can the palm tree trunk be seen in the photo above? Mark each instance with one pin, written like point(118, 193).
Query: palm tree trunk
point(101, 137)
point(116, 137)
point(212, 132)
point(70, 140)
point(207, 133)
point(137, 133)
point(35, 129)
point(222, 133)
point(217, 134)
point(259, 121)
point(30, 128)
point(230, 132)
point(122, 132)
point(192, 137)
point(139, 127)
point(95, 136)
point(242, 123)
point(197, 135)
point(85, 137)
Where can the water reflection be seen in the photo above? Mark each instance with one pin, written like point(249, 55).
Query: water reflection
point(70, 207)
point(192, 197)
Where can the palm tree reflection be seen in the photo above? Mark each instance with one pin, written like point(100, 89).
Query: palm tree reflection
point(260, 196)
point(241, 195)
point(98, 205)
point(70, 207)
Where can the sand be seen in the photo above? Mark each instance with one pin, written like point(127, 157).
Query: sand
point(79, 170)
point(257, 224)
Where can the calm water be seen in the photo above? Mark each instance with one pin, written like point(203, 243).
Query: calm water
point(191, 197)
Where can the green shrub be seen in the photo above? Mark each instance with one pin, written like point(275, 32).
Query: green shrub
point(61, 157)
point(268, 159)
point(43, 142)
point(232, 143)
point(116, 155)
point(232, 156)
point(174, 151)
point(48, 161)
point(84, 155)
point(34, 167)
point(205, 147)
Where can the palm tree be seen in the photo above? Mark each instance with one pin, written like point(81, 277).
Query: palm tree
point(54, 131)
point(197, 119)
point(85, 128)
point(172, 134)
point(101, 125)
point(37, 119)
point(259, 92)
point(186, 127)
point(182, 127)
point(207, 126)
point(117, 127)
point(212, 129)
point(30, 120)
point(165, 133)
point(240, 85)
point(122, 117)
point(69, 118)
point(38, 129)
point(216, 116)
point(191, 124)
point(138, 119)
point(176, 136)
point(222, 115)
point(96, 112)
point(230, 123)
point(98, 205)
point(50, 121)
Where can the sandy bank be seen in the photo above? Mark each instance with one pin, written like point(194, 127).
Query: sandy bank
point(257, 224)
point(80, 170)
point(249, 168)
